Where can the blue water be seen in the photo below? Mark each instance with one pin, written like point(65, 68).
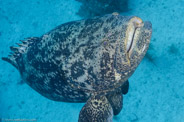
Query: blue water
point(156, 91)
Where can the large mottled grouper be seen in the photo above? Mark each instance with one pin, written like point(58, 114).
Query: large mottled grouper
point(85, 61)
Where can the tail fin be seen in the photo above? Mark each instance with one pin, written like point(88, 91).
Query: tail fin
point(11, 59)
point(16, 54)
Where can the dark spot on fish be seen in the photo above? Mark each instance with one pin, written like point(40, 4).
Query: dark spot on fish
point(92, 74)
point(31, 78)
point(66, 52)
point(73, 41)
point(78, 48)
point(110, 19)
point(57, 53)
point(96, 103)
point(44, 66)
point(105, 30)
point(88, 54)
point(77, 69)
point(82, 85)
point(58, 36)
point(91, 38)
point(104, 64)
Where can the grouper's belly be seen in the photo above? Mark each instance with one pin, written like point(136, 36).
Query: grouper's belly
point(53, 86)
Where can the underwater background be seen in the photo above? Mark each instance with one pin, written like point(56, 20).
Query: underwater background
point(156, 92)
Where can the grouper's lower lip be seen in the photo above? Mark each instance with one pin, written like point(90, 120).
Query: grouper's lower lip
point(134, 24)
point(130, 42)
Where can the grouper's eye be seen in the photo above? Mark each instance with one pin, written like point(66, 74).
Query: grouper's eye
point(134, 25)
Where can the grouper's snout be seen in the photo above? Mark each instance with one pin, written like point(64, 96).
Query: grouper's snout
point(137, 40)
point(148, 26)
point(147, 31)
point(146, 37)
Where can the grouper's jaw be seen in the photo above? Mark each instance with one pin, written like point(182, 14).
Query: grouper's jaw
point(133, 30)
point(137, 40)
point(135, 45)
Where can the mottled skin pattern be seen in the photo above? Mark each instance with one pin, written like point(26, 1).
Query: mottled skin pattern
point(84, 58)
point(97, 109)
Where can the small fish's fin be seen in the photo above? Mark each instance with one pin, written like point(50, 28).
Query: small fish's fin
point(17, 52)
point(125, 87)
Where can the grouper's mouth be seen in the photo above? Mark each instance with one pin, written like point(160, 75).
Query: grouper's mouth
point(130, 40)
point(134, 26)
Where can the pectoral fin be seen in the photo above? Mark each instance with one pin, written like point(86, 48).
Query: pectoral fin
point(97, 109)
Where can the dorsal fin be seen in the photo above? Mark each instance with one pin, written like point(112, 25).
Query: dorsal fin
point(15, 55)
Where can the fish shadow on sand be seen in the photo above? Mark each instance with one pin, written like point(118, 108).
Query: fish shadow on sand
point(91, 8)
